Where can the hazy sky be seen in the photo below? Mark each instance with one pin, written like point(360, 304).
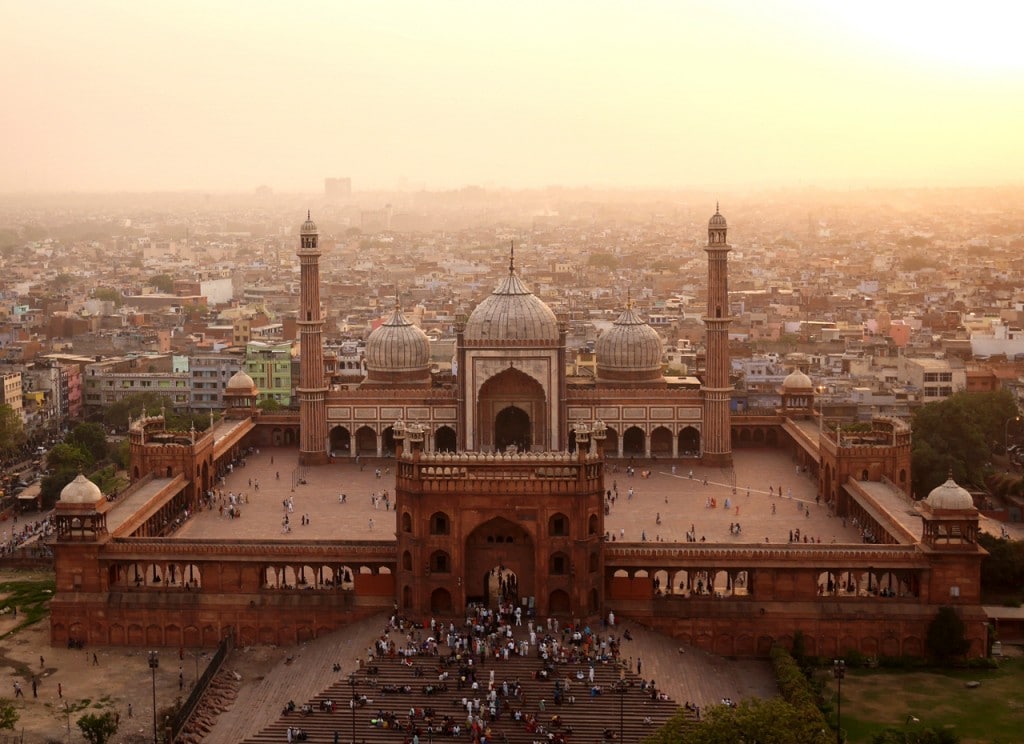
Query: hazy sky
point(144, 95)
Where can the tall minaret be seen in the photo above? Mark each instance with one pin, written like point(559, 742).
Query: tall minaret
point(312, 389)
point(716, 389)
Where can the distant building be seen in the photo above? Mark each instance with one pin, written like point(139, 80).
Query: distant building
point(336, 189)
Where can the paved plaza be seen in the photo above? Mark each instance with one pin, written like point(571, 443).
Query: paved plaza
point(272, 477)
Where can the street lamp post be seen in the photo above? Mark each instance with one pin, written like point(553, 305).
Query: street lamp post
point(622, 699)
point(352, 704)
point(839, 671)
point(154, 663)
point(1006, 434)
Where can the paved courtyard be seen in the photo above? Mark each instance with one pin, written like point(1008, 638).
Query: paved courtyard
point(681, 502)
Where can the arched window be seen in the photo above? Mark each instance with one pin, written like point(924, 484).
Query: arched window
point(407, 561)
point(593, 562)
point(440, 524)
point(592, 525)
point(440, 562)
point(559, 564)
point(558, 526)
point(406, 522)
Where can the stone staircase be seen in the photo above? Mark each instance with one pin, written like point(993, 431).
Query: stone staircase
point(392, 686)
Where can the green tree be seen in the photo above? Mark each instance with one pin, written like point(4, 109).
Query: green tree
point(62, 281)
point(163, 282)
point(603, 261)
point(771, 721)
point(116, 414)
point(91, 438)
point(53, 484)
point(108, 294)
point(1002, 570)
point(12, 432)
point(65, 456)
point(914, 736)
point(98, 728)
point(958, 435)
point(269, 405)
point(8, 715)
point(946, 639)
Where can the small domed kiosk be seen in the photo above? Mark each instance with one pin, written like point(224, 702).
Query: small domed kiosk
point(950, 517)
point(80, 514)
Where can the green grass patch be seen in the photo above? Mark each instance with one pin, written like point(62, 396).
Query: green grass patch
point(878, 699)
point(30, 596)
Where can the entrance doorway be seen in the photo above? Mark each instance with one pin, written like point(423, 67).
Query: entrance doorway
point(501, 586)
point(512, 428)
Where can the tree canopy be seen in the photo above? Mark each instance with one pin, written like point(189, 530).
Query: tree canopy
point(163, 282)
point(116, 414)
point(8, 715)
point(771, 721)
point(91, 438)
point(12, 432)
point(98, 728)
point(946, 639)
point(958, 435)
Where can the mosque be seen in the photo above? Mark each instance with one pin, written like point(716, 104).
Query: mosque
point(500, 490)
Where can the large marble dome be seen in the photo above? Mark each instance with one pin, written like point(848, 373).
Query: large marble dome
point(512, 312)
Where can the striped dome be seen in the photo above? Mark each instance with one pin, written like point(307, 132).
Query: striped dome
point(397, 346)
point(629, 351)
point(512, 312)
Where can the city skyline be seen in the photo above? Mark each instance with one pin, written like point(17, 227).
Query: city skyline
point(228, 97)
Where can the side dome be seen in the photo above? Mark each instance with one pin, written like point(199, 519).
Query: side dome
point(797, 380)
point(512, 312)
point(950, 496)
point(81, 491)
point(308, 227)
point(241, 382)
point(629, 351)
point(717, 220)
point(397, 351)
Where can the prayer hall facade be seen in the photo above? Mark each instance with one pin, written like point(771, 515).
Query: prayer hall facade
point(500, 494)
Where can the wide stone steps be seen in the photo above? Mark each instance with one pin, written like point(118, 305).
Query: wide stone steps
point(590, 719)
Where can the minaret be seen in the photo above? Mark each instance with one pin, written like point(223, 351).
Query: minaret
point(312, 389)
point(716, 390)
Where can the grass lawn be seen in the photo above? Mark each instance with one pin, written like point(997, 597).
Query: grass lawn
point(877, 699)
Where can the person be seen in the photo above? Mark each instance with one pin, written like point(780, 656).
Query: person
point(17, 690)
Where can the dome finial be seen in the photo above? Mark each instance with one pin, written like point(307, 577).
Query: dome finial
point(309, 214)
point(511, 257)
point(716, 207)
point(629, 298)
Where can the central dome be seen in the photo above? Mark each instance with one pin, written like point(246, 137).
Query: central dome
point(397, 347)
point(512, 312)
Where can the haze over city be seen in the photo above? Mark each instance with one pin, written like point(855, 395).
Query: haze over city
point(108, 96)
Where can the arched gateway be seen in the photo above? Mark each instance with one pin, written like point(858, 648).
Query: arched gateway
point(496, 550)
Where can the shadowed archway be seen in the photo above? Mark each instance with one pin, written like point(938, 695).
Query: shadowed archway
point(512, 428)
point(507, 547)
point(513, 406)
